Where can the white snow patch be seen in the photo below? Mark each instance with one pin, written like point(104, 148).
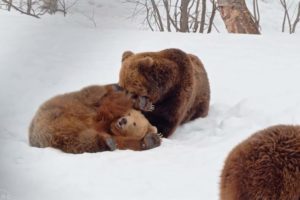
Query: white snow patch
point(254, 83)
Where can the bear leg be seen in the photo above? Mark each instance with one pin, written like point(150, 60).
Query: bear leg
point(201, 110)
point(85, 141)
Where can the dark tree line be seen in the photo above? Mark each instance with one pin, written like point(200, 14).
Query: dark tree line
point(195, 16)
point(198, 15)
point(177, 15)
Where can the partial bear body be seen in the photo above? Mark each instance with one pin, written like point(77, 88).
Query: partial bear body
point(174, 81)
point(96, 118)
point(266, 166)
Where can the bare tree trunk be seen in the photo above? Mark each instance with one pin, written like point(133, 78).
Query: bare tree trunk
point(184, 16)
point(161, 26)
point(283, 22)
point(203, 12)
point(286, 16)
point(256, 12)
point(29, 6)
point(197, 16)
point(176, 14)
point(297, 19)
point(237, 17)
point(212, 16)
point(9, 5)
point(167, 7)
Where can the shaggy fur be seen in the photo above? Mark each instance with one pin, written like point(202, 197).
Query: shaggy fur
point(174, 81)
point(96, 118)
point(266, 166)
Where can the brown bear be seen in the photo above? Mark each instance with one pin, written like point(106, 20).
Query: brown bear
point(176, 82)
point(266, 166)
point(96, 118)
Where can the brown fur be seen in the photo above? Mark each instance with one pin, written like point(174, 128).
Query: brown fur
point(266, 166)
point(86, 121)
point(174, 81)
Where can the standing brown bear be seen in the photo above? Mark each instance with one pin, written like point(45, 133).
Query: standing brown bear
point(266, 166)
point(176, 82)
point(96, 118)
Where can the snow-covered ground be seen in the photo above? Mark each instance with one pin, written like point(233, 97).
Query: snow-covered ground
point(254, 83)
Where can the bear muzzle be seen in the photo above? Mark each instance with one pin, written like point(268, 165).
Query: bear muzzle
point(121, 122)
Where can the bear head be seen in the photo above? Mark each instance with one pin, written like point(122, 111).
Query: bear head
point(148, 74)
point(132, 124)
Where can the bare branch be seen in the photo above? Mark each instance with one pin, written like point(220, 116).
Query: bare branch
point(190, 7)
point(167, 7)
point(157, 14)
point(91, 17)
point(297, 19)
point(283, 22)
point(212, 16)
point(63, 5)
point(286, 14)
point(71, 5)
point(148, 17)
point(21, 11)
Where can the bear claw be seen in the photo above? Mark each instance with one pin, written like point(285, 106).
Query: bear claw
point(152, 107)
point(160, 135)
point(145, 104)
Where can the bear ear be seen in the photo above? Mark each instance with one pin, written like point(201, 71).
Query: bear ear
point(152, 129)
point(145, 63)
point(126, 55)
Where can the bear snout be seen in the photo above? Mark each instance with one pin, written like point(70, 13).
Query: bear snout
point(121, 122)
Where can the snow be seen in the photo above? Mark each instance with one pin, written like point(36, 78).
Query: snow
point(254, 83)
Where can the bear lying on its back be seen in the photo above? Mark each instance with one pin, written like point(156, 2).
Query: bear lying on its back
point(96, 118)
point(266, 166)
point(174, 81)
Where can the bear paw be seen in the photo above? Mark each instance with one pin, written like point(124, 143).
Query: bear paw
point(150, 141)
point(144, 104)
point(110, 143)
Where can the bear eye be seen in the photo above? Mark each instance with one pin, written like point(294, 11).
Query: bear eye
point(128, 114)
point(134, 124)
